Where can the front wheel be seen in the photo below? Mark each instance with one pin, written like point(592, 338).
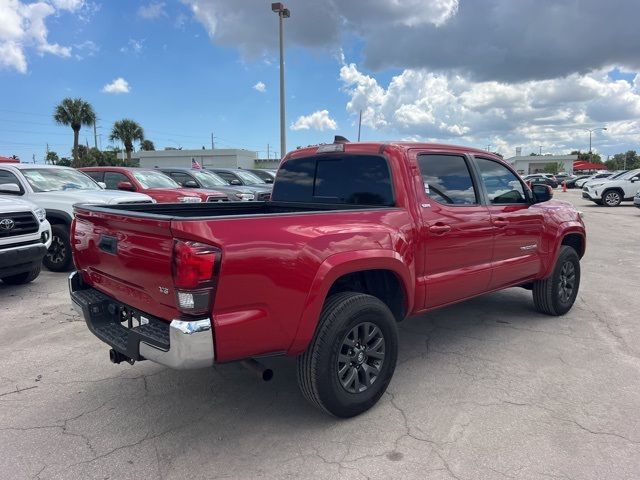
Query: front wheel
point(352, 357)
point(58, 257)
point(612, 198)
point(555, 295)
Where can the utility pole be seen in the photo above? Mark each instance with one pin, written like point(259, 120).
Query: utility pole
point(283, 13)
point(359, 124)
point(213, 145)
point(268, 153)
point(540, 153)
point(95, 135)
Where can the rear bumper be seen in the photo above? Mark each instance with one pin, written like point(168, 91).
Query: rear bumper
point(21, 259)
point(180, 344)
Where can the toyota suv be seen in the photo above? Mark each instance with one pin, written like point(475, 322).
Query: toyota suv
point(613, 192)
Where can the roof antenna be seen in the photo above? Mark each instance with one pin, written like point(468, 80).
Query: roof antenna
point(340, 139)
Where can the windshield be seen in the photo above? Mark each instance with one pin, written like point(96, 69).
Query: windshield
point(249, 178)
point(151, 179)
point(209, 179)
point(627, 175)
point(56, 179)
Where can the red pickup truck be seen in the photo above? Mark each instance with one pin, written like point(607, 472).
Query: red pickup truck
point(356, 237)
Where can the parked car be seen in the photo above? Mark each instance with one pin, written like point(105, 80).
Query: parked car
point(541, 179)
point(266, 174)
point(571, 183)
point(25, 236)
point(57, 189)
point(636, 199)
point(599, 181)
point(156, 184)
point(237, 177)
point(595, 176)
point(612, 193)
point(204, 179)
point(357, 237)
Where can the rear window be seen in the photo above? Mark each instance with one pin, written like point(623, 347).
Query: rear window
point(342, 179)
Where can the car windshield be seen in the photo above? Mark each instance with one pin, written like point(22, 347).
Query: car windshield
point(209, 179)
point(151, 179)
point(627, 175)
point(249, 178)
point(57, 179)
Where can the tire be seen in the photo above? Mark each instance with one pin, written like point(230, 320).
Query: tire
point(58, 257)
point(611, 198)
point(24, 277)
point(552, 295)
point(325, 369)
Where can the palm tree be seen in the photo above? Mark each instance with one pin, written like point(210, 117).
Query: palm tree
point(74, 112)
point(127, 131)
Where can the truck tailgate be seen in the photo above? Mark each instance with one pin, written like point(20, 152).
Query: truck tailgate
point(128, 258)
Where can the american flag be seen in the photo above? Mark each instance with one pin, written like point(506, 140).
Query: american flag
point(195, 164)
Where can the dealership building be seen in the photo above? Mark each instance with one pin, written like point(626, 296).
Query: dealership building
point(217, 158)
point(525, 165)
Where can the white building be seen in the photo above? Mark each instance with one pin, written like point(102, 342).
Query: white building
point(218, 158)
point(525, 165)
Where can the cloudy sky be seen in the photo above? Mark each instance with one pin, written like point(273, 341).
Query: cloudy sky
point(501, 73)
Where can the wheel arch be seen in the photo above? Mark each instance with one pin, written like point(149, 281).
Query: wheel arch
point(572, 235)
point(351, 271)
point(58, 217)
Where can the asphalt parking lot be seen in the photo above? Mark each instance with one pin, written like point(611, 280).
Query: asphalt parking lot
point(488, 389)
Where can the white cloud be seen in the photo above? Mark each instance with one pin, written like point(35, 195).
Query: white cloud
point(119, 85)
point(419, 104)
point(70, 5)
point(152, 10)
point(319, 120)
point(88, 48)
point(260, 87)
point(22, 26)
point(133, 46)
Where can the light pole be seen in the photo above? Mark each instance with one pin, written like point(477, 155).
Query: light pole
point(283, 13)
point(591, 130)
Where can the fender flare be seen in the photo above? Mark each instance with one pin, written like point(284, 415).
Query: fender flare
point(59, 216)
point(337, 266)
point(566, 229)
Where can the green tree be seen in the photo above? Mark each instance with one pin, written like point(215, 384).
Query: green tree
point(52, 158)
point(64, 162)
point(628, 160)
point(553, 167)
point(74, 112)
point(127, 131)
point(147, 145)
point(587, 157)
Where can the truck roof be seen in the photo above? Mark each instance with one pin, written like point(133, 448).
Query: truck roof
point(377, 147)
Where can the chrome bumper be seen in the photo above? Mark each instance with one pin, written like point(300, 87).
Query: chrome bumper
point(180, 345)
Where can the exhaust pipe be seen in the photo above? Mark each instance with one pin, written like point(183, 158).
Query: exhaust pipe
point(117, 357)
point(257, 368)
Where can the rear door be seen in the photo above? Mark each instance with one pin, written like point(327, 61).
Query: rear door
point(517, 224)
point(456, 234)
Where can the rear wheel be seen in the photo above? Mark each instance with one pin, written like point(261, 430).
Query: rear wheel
point(612, 198)
point(24, 277)
point(58, 257)
point(555, 295)
point(352, 357)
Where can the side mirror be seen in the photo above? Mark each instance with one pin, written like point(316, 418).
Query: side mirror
point(11, 188)
point(268, 180)
point(190, 184)
point(235, 181)
point(102, 185)
point(634, 179)
point(541, 193)
point(126, 186)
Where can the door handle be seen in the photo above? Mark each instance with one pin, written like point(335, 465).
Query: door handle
point(500, 222)
point(439, 228)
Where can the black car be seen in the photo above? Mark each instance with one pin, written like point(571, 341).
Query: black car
point(535, 178)
point(571, 183)
point(266, 174)
point(239, 177)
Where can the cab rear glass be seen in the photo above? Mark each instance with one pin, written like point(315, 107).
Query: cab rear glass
point(335, 178)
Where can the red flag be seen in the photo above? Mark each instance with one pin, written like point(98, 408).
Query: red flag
point(195, 164)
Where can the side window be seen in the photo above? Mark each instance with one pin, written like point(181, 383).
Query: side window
point(502, 185)
point(227, 176)
point(181, 178)
point(112, 179)
point(8, 177)
point(447, 179)
point(97, 176)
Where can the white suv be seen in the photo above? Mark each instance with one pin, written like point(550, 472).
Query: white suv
point(25, 236)
point(613, 192)
point(57, 189)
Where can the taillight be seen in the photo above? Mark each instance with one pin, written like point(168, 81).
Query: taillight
point(195, 275)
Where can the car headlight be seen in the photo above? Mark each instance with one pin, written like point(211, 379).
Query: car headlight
point(245, 196)
point(189, 199)
point(596, 185)
point(41, 214)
